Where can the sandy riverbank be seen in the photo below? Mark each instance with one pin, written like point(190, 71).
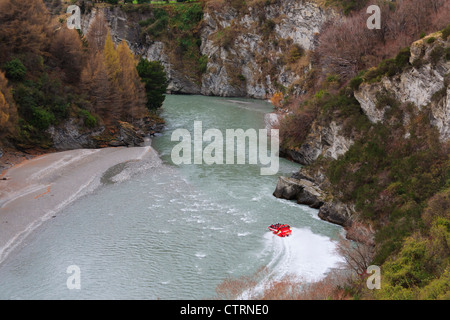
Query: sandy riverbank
point(35, 190)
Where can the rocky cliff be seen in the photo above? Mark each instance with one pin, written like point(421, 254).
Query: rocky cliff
point(326, 140)
point(391, 94)
point(258, 45)
point(251, 51)
point(424, 85)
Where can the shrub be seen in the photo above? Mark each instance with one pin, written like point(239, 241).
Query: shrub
point(294, 128)
point(446, 32)
point(154, 77)
point(295, 53)
point(436, 54)
point(386, 99)
point(225, 38)
point(389, 67)
point(90, 121)
point(276, 99)
point(15, 70)
point(203, 63)
point(41, 118)
point(349, 6)
point(356, 82)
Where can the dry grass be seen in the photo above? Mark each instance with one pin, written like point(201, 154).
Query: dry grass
point(290, 287)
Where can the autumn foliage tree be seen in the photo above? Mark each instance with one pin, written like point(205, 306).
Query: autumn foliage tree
point(67, 50)
point(8, 112)
point(277, 99)
point(96, 84)
point(24, 28)
point(131, 88)
point(97, 32)
point(110, 77)
point(111, 58)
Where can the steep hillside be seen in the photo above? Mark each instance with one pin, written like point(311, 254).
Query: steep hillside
point(376, 158)
point(59, 91)
point(222, 48)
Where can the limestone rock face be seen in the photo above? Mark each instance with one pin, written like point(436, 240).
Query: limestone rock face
point(304, 191)
point(308, 190)
point(336, 212)
point(272, 120)
point(327, 141)
point(238, 69)
point(296, 21)
point(69, 136)
point(425, 85)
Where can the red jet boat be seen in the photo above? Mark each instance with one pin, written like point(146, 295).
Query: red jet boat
point(281, 230)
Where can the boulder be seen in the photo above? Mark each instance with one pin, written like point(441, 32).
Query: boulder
point(71, 135)
point(303, 191)
point(336, 212)
point(126, 136)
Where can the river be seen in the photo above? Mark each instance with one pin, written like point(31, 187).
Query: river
point(173, 231)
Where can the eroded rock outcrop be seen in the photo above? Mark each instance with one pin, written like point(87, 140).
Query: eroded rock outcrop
point(249, 53)
point(322, 140)
point(72, 134)
point(249, 63)
point(304, 191)
point(309, 189)
point(425, 85)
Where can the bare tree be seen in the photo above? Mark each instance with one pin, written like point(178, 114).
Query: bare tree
point(97, 32)
point(358, 254)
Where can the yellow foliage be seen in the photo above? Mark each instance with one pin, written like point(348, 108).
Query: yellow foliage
point(4, 117)
point(112, 61)
point(8, 112)
point(277, 99)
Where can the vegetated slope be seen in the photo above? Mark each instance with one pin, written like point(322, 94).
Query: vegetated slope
point(222, 48)
point(378, 146)
point(61, 90)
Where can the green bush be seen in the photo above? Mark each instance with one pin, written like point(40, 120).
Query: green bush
point(154, 77)
point(436, 54)
point(89, 120)
point(356, 82)
point(446, 32)
point(348, 6)
point(203, 63)
point(15, 70)
point(41, 118)
point(389, 67)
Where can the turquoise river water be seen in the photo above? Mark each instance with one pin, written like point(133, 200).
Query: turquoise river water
point(174, 231)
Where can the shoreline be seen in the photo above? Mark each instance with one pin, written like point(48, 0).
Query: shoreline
point(34, 190)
